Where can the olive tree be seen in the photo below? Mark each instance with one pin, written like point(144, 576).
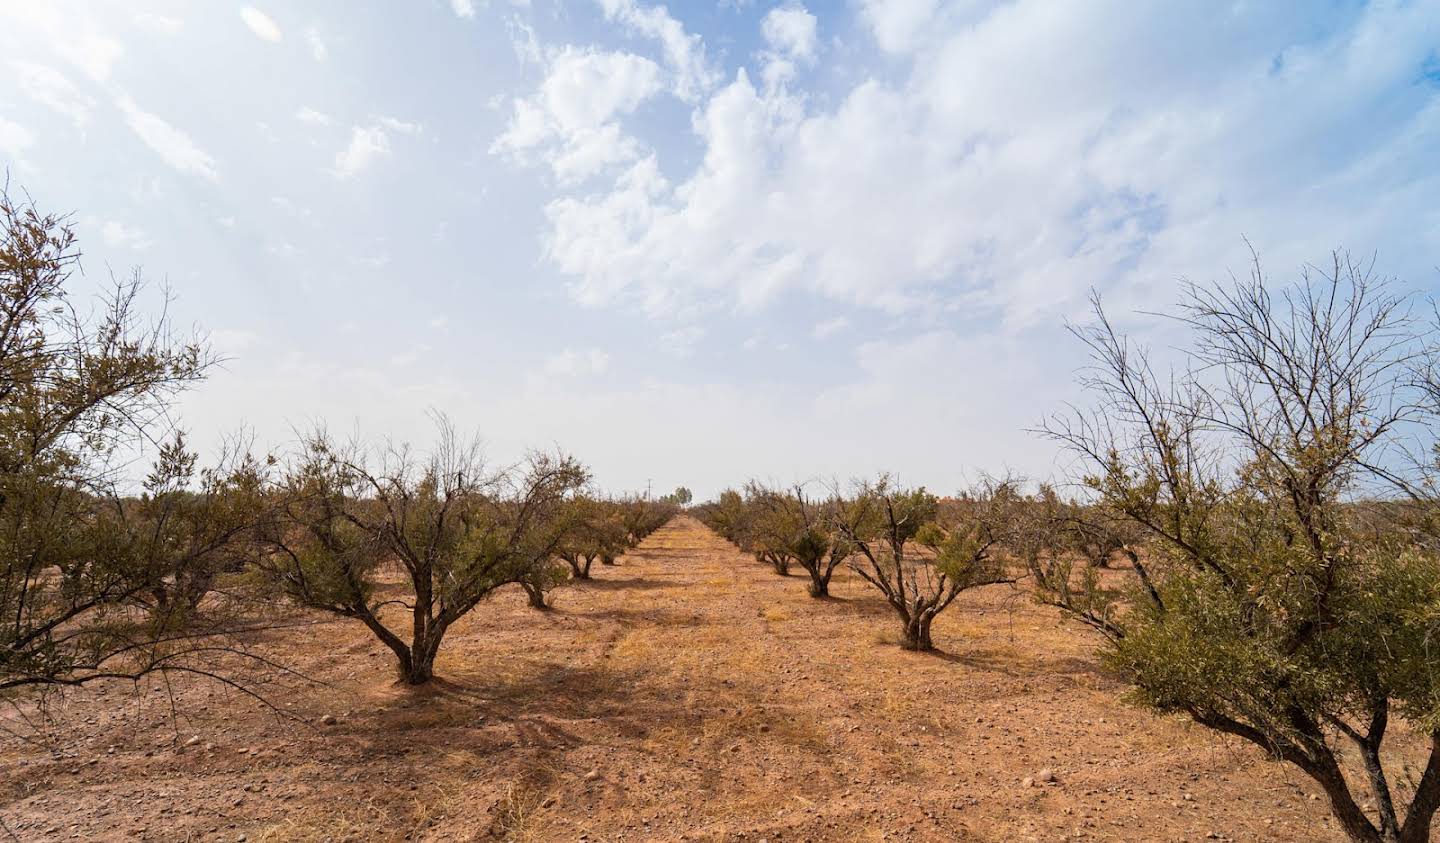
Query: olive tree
point(883, 521)
point(597, 532)
point(785, 526)
point(773, 525)
point(1267, 607)
point(96, 581)
point(452, 528)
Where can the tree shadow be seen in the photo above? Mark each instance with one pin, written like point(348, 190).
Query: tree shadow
point(629, 583)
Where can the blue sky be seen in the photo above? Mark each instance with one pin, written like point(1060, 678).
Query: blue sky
point(696, 242)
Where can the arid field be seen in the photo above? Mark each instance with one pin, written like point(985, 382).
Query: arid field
point(685, 694)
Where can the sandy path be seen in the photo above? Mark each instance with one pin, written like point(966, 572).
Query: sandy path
point(685, 694)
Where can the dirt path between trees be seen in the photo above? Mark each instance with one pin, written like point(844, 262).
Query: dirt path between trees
point(685, 694)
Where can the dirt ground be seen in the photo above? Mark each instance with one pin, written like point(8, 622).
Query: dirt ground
point(686, 694)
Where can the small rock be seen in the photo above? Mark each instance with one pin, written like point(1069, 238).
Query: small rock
point(1045, 776)
point(1027, 782)
point(328, 720)
point(592, 775)
point(193, 741)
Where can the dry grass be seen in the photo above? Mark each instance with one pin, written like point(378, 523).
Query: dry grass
point(687, 694)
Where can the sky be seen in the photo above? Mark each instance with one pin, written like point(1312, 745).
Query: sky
point(698, 242)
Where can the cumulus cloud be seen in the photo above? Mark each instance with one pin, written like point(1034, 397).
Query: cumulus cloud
point(791, 31)
point(690, 70)
point(982, 180)
point(260, 24)
point(369, 144)
point(568, 123)
point(898, 24)
point(172, 145)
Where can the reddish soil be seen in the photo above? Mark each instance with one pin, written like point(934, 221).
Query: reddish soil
point(685, 694)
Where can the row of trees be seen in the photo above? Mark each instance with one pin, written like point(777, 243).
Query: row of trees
point(1272, 501)
point(919, 554)
point(102, 580)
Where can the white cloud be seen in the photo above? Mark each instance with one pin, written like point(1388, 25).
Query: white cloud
point(401, 126)
point(172, 145)
point(569, 121)
point(260, 24)
point(586, 87)
point(118, 235)
point(829, 327)
point(463, 8)
point(311, 117)
point(572, 363)
point(990, 181)
point(52, 89)
point(318, 50)
point(367, 145)
point(898, 24)
point(791, 31)
point(691, 72)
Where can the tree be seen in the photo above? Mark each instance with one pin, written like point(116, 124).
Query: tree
point(642, 517)
point(773, 527)
point(456, 529)
point(787, 526)
point(680, 497)
point(87, 573)
point(882, 520)
point(598, 532)
point(1272, 606)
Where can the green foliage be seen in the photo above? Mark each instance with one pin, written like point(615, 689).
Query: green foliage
point(1267, 602)
point(455, 530)
point(90, 576)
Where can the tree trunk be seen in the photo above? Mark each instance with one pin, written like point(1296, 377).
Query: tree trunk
point(607, 559)
point(819, 586)
point(917, 633)
point(1353, 821)
point(417, 670)
point(536, 596)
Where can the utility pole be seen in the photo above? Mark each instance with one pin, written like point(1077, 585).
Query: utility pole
point(648, 481)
